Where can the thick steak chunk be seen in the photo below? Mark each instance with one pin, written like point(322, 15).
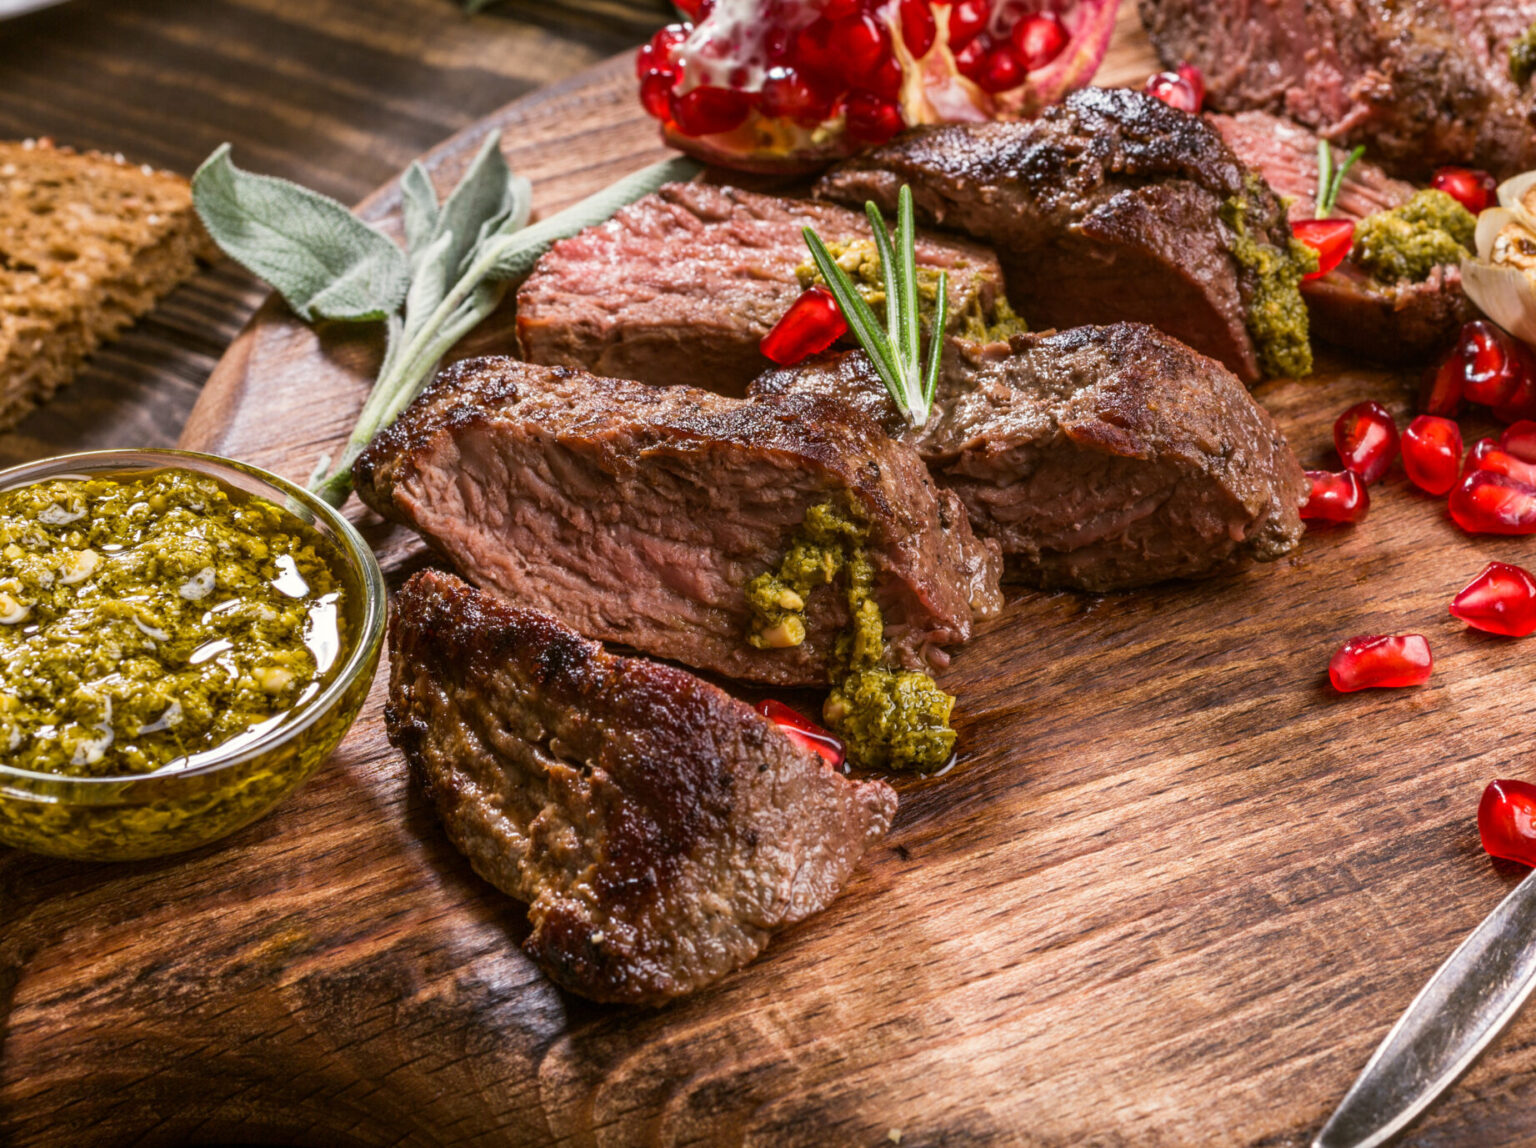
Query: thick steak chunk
point(680, 287)
point(1418, 82)
point(1100, 458)
point(639, 513)
point(1391, 321)
point(1106, 208)
point(659, 829)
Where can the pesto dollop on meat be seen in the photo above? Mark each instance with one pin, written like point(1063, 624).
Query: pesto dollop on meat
point(148, 617)
point(1406, 243)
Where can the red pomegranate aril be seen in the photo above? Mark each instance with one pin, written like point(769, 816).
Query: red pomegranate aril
point(886, 79)
point(1432, 453)
point(1440, 392)
point(803, 731)
point(1471, 187)
point(1480, 450)
point(1493, 364)
point(656, 92)
point(1506, 821)
point(966, 21)
point(860, 44)
point(1001, 70)
point(1489, 503)
point(788, 95)
point(811, 325)
point(1175, 91)
point(1330, 238)
point(1336, 497)
point(1195, 78)
point(1500, 600)
point(839, 9)
point(971, 60)
point(918, 27)
point(871, 118)
point(1519, 439)
point(658, 55)
point(1522, 404)
point(1500, 461)
point(1038, 39)
point(1366, 439)
point(709, 110)
point(1381, 661)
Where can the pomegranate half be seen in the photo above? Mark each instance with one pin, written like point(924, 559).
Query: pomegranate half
point(792, 85)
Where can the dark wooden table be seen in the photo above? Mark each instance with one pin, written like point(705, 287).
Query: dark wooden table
point(336, 94)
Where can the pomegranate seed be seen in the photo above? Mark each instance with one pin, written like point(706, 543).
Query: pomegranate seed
point(660, 55)
point(1175, 91)
point(918, 29)
point(1432, 453)
point(886, 79)
point(1195, 78)
point(1366, 439)
point(709, 110)
point(803, 731)
point(1488, 503)
point(858, 45)
point(971, 60)
point(1493, 364)
point(1381, 661)
point(1506, 821)
point(1500, 600)
point(1480, 450)
point(1038, 39)
point(1522, 404)
point(1330, 238)
point(656, 92)
point(1336, 497)
point(1001, 70)
point(1471, 187)
point(788, 95)
point(839, 9)
point(966, 21)
point(871, 119)
point(811, 325)
point(1519, 439)
point(1440, 393)
point(1500, 461)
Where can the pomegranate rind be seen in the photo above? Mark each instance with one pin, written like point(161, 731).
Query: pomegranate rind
point(1074, 68)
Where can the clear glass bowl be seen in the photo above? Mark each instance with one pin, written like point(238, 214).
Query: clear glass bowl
point(147, 815)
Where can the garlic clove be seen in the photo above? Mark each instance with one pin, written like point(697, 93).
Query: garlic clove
point(1504, 294)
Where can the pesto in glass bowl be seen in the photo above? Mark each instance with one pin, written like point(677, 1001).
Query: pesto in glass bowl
point(183, 640)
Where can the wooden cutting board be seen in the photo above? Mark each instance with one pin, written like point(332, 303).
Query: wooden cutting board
point(1174, 893)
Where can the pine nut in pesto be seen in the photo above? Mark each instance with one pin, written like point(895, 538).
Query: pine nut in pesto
point(148, 619)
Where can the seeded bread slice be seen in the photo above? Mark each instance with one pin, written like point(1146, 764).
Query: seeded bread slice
point(88, 243)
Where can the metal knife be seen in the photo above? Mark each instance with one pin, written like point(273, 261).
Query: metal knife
point(1464, 1006)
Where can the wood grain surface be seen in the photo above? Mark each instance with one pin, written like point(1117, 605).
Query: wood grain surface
point(1174, 892)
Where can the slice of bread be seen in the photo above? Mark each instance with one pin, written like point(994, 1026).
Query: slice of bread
point(88, 243)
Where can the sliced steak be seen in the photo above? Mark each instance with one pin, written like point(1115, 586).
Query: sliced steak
point(1418, 82)
point(639, 513)
point(1100, 458)
point(1391, 321)
point(1108, 207)
point(680, 287)
point(659, 830)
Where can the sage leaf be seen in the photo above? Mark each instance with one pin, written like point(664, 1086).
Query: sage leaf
point(516, 254)
point(484, 193)
point(324, 261)
point(419, 207)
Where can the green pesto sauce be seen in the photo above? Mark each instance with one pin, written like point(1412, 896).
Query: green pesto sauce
point(1406, 243)
point(145, 618)
point(1277, 315)
point(967, 317)
point(1522, 56)
point(889, 719)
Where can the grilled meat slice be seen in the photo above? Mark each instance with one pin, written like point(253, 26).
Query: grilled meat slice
point(659, 830)
point(680, 287)
point(640, 513)
point(1418, 82)
point(1100, 458)
point(1396, 322)
point(1109, 207)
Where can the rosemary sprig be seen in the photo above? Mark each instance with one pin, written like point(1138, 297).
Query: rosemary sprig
point(896, 351)
point(1329, 181)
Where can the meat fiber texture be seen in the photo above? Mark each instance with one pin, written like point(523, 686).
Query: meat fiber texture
point(1395, 322)
point(639, 514)
point(659, 830)
point(1418, 82)
point(1100, 458)
point(1105, 209)
point(681, 286)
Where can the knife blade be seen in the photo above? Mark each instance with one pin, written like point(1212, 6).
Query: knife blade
point(1464, 1006)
